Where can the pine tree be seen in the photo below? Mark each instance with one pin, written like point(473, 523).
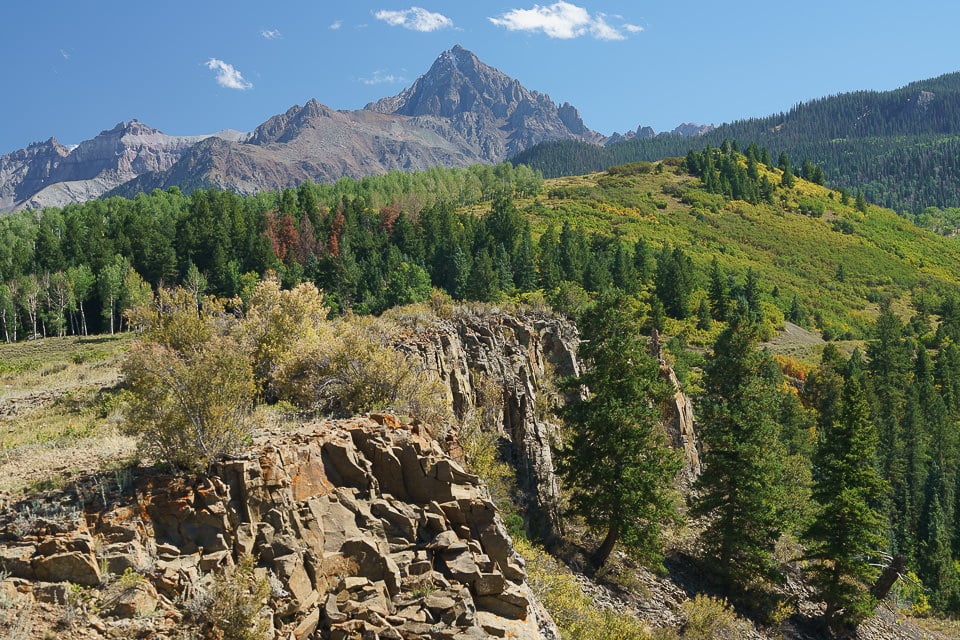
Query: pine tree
point(524, 264)
point(845, 534)
point(704, 319)
point(674, 281)
point(890, 376)
point(934, 550)
point(719, 295)
point(548, 259)
point(742, 458)
point(617, 465)
point(861, 202)
point(641, 261)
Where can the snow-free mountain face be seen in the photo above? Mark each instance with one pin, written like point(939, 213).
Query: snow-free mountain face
point(459, 113)
point(49, 174)
point(491, 110)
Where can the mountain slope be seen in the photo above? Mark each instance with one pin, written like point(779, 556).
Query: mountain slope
point(459, 113)
point(48, 174)
point(901, 147)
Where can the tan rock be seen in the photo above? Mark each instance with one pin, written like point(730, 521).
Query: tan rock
point(130, 601)
point(70, 566)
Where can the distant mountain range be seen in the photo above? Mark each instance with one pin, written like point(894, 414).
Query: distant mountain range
point(900, 147)
point(460, 112)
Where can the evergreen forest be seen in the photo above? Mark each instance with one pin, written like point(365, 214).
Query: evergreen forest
point(851, 447)
point(898, 147)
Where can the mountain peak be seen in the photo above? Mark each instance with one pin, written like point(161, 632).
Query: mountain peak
point(132, 128)
point(456, 82)
point(460, 87)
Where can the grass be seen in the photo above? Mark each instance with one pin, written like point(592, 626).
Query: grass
point(57, 406)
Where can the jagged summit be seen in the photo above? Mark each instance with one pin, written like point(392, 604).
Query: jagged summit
point(457, 82)
point(460, 112)
point(484, 100)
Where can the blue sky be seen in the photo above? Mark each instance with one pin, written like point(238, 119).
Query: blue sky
point(73, 68)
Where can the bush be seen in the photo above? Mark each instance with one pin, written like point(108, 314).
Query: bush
point(190, 385)
point(356, 370)
point(574, 612)
point(234, 604)
point(708, 618)
point(276, 325)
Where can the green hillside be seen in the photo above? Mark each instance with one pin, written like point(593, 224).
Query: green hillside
point(839, 264)
point(901, 147)
point(816, 256)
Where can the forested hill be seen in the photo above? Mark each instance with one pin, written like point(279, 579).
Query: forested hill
point(901, 147)
point(822, 258)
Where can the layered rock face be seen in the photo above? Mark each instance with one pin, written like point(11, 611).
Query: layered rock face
point(522, 354)
point(519, 354)
point(364, 529)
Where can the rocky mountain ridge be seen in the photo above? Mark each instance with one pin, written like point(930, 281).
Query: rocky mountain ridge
point(460, 112)
point(50, 174)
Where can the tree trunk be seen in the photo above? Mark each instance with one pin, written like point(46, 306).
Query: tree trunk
point(889, 577)
point(606, 547)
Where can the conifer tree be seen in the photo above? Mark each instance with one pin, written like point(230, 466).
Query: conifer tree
point(616, 464)
point(674, 281)
point(524, 265)
point(937, 570)
point(743, 456)
point(641, 261)
point(719, 295)
point(845, 534)
point(890, 376)
point(548, 259)
point(704, 319)
point(861, 202)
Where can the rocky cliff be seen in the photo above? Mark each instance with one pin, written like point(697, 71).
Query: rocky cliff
point(522, 354)
point(363, 529)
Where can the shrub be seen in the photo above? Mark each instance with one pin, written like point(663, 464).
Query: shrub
point(276, 326)
point(191, 386)
point(709, 618)
point(574, 612)
point(356, 370)
point(235, 601)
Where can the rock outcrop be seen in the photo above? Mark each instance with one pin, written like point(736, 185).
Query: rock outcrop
point(364, 528)
point(678, 421)
point(520, 355)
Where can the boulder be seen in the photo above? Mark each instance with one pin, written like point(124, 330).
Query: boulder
point(70, 566)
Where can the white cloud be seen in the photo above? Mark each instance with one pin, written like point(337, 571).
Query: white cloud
point(415, 19)
point(562, 20)
point(227, 76)
point(633, 28)
point(65, 54)
point(382, 77)
point(336, 24)
point(271, 34)
point(603, 31)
